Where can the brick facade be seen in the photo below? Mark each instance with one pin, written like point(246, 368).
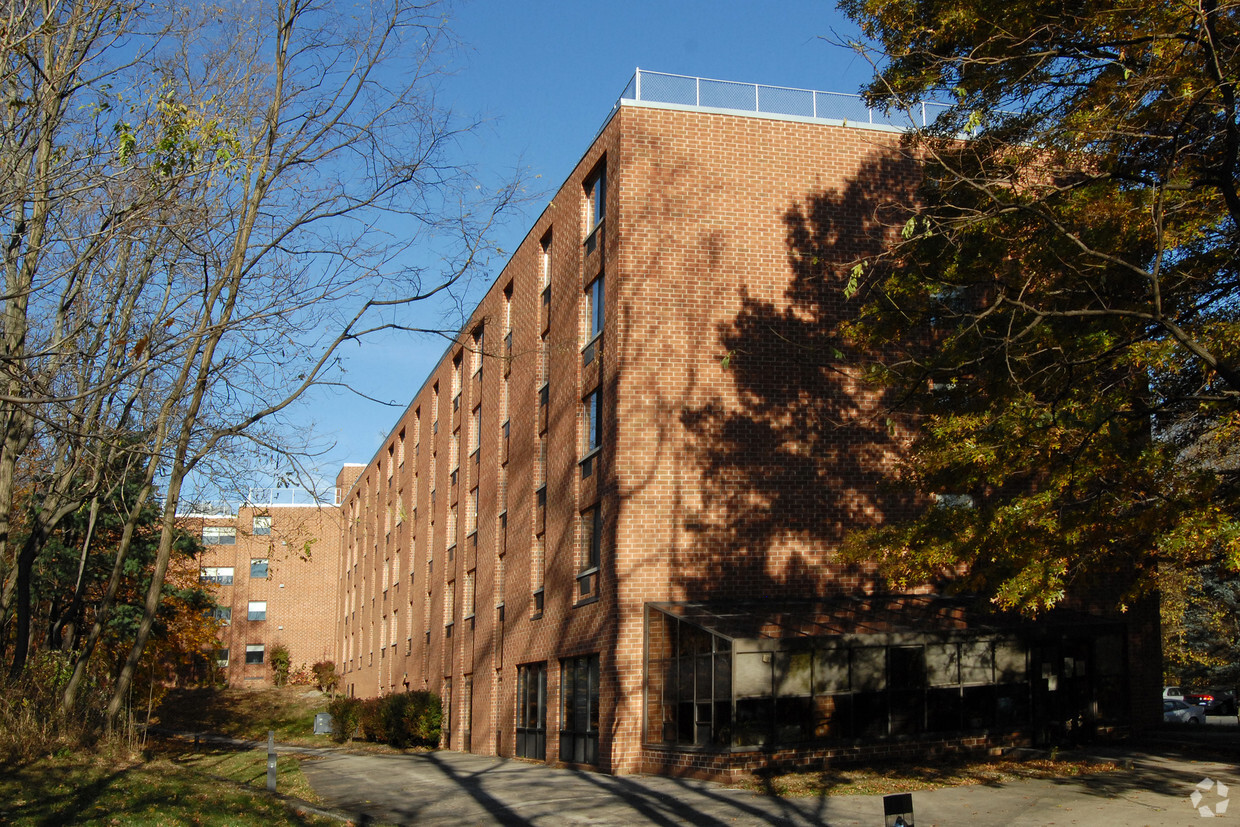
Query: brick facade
point(512, 529)
point(281, 562)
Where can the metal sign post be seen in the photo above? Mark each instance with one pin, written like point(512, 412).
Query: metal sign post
point(271, 760)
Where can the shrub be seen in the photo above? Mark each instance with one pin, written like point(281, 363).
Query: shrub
point(371, 712)
point(325, 675)
point(413, 719)
point(280, 662)
point(301, 676)
point(346, 716)
point(31, 721)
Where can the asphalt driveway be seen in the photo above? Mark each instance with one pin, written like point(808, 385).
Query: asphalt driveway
point(453, 788)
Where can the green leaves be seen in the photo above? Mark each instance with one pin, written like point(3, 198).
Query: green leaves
point(1067, 335)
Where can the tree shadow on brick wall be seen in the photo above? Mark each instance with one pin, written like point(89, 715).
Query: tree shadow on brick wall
point(797, 456)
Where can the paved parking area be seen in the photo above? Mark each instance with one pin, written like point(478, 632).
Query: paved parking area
point(453, 788)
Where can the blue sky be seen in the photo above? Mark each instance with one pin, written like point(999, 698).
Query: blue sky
point(544, 75)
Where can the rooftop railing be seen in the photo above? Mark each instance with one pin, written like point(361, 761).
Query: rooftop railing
point(706, 93)
point(255, 498)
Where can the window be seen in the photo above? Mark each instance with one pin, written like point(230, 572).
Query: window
point(468, 596)
point(591, 412)
point(532, 711)
point(540, 524)
point(456, 381)
point(579, 721)
point(219, 575)
point(593, 326)
point(471, 515)
point(596, 200)
point(537, 571)
point(452, 526)
point(257, 610)
point(591, 540)
point(475, 432)
point(262, 524)
point(449, 608)
point(258, 568)
point(221, 658)
point(254, 653)
point(499, 582)
point(544, 269)
point(223, 614)
point(476, 356)
point(219, 535)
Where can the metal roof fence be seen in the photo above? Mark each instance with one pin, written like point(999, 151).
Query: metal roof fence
point(783, 101)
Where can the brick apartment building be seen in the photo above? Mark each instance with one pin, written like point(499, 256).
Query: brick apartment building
point(273, 568)
point(603, 529)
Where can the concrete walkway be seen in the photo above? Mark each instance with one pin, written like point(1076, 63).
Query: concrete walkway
point(453, 788)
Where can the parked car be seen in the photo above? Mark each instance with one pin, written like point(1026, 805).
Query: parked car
point(1174, 692)
point(1178, 712)
point(1214, 701)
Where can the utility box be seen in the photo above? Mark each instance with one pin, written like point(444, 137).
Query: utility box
point(323, 723)
point(898, 810)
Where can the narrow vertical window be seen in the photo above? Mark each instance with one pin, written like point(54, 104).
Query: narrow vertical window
point(591, 543)
point(476, 351)
point(508, 329)
point(536, 574)
point(499, 584)
point(456, 382)
point(592, 326)
point(544, 269)
point(596, 200)
point(475, 433)
point(591, 411)
point(435, 408)
point(449, 608)
point(451, 530)
point(471, 515)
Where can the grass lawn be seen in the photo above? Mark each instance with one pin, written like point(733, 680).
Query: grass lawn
point(245, 713)
point(171, 782)
point(171, 787)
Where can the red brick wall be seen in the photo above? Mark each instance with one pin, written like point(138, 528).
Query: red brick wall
point(737, 445)
point(303, 558)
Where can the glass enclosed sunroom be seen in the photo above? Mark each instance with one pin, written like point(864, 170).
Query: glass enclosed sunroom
point(858, 670)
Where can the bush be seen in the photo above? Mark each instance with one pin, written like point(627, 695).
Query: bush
point(280, 663)
point(405, 720)
point(371, 713)
point(413, 719)
point(346, 717)
point(31, 721)
point(302, 676)
point(325, 675)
